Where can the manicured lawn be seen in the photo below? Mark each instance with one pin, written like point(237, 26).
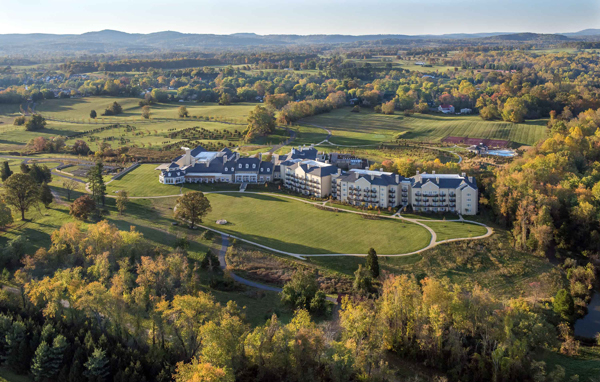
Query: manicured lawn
point(143, 181)
point(454, 230)
point(298, 227)
point(368, 127)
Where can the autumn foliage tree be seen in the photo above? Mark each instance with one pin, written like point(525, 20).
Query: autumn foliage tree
point(82, 207)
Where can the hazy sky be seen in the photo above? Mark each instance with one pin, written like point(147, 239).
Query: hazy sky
point(299, 16)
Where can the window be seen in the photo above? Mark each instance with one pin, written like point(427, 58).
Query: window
point(225, 169)
point(240, 165)
point(253, 165)
point(261, 170)
point(268, 170)
point(247, 165)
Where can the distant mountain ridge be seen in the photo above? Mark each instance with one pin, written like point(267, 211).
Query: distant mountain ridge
point(112, 40)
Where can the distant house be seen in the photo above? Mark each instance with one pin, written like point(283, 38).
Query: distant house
point(446, 109)
point(421, 63)
point(479, 149)
point(466, 111)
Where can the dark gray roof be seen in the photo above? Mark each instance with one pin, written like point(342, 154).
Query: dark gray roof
point(377, 180)
point(216, 165)
point(443, 182)
point(266, 167)
point(316, 170)
point(173, 165)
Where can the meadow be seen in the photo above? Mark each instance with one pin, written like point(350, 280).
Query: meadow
point(67, 117)
point(368, 127)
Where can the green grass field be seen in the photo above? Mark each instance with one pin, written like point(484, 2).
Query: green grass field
point(368, 127)
point(66, 117)
point(275, 221)
point(7, 375)
point(455, 230)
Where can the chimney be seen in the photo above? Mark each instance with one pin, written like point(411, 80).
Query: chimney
point(339, 171)
point(471, 179)
point(397, 178)
point(418, 172)
point(260, 156)
point(433, 172)
point(381, 169)
point(464, 174)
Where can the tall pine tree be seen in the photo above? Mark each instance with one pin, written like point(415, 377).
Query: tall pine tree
point(96, 183)
point(373, 263)
point(97, 367)
point(5, 172)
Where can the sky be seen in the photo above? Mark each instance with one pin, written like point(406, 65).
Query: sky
point(356, 17)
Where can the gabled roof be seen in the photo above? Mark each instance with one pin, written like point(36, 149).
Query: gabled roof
point(453, 181)
point(375, 178)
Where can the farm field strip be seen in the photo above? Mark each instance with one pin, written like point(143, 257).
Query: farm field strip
point(368, 127)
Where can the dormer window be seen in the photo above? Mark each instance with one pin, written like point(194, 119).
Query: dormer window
point(253, 165)
point(225, 169)
point(247, 165)
point(268, 170)
point(240, 165)
point(169, 174)
point(261, 170)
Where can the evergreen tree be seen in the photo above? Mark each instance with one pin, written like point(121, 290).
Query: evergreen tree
point(59, 347)
point(97, 368)
point(24, 168)
point(40, 174)
point(41, 365)
point(46, 196)
point(5, 172)
point(14, 337)
point(373, 263)
point(96, 182)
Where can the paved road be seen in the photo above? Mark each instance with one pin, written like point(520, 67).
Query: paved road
point(290, 139)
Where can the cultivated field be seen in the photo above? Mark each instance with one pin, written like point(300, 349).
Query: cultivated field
point(78, 109)
point(368, 127)
point(67, 117)
point(274, 221)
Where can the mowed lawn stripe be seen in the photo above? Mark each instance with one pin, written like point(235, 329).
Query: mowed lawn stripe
point(298, 227)
point(368, 127)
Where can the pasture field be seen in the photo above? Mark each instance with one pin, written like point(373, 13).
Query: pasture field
point(66, 117)
point(273, 221)
point(402, 64)
point(455, 230)
point(78, 109)
point(368, 127)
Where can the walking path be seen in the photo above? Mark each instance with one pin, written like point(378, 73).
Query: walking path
point(241, 280)
point(432, 243)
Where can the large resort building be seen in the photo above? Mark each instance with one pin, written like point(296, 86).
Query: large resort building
point(305, 171)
